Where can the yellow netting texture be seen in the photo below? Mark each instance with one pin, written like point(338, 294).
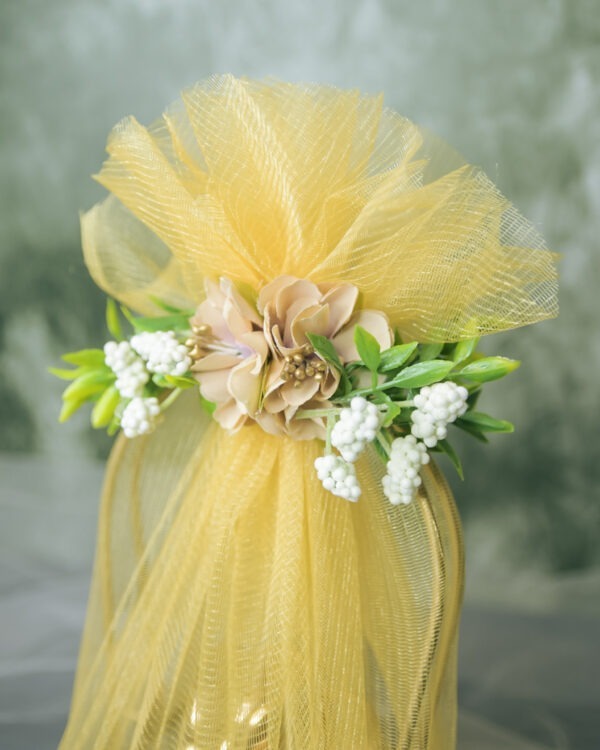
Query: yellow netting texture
point(251, 180)
point(236, 604)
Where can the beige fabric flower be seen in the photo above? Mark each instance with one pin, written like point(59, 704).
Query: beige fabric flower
point(297, 376)
point(230, 351)
point(257, 362)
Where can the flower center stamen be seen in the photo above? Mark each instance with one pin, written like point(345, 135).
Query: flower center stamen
point(204, 342)
point(303, 364)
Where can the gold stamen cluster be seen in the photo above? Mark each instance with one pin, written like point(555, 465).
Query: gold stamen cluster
point(303, 364)
point(202, 336)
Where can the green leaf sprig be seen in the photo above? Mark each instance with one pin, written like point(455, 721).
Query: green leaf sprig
point(397, 374)
point(94, 382)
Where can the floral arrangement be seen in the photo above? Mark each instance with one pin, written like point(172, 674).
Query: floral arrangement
point(314, 270)
point(300, 359)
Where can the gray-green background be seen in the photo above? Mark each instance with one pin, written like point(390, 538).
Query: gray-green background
point(513, 84)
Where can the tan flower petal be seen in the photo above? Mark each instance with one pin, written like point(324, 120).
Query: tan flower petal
point(374, 322)
point(297, 396)
point(312, 320)
point(229, 415)
point(255, 340)
point(244, 385)
point(215, 361)
point(300, 292)
point(208, 314)
point(233, 297)
point(213, 386)
point(268, 293)
point(341, 301)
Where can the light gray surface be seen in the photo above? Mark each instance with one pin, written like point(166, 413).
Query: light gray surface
point(514, 86)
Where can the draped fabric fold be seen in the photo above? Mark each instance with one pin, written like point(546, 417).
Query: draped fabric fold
point(235, 603)
point(254, 179)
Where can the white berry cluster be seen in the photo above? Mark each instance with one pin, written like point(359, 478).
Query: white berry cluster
point(402, 479)
point(162, 352)
point(139, 416)
point(338, 476)
point(129, 368)
point(437, 406)
point(356, 427)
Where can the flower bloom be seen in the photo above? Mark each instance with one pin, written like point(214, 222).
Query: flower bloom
point(258, 363)
point(229, 352)
point(297, 376)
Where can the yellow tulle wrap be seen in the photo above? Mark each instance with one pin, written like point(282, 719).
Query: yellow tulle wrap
point(235, 603)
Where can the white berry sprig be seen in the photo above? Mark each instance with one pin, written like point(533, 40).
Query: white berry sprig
point(162, 352)
point(402, 479)
point(356, 427)
point(398, 402)
point(437, 406)
point(130, 381)
point(140, 416)
point(416, 391)
point(338, 476)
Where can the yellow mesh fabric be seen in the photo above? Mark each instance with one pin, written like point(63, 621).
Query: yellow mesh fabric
point(251, 180)
point(235, 604)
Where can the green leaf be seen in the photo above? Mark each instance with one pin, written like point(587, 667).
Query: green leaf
point(113, 427)
point(464, 349)
point(368, 348)
point(421, 374)
point(112, 320)
point(160, 380)
point(485, 423)
point(392, 412)
point(325, 349)
point(69, 408)
point(488, 368)
point(85, 357)
point(207, 405)
point(446, 447)
point(88, 385)
point(176, 381)
point(160, 323)
point(129, 315)
point(429, 351)
point(171, 308)
point(104, 409)
point(472, 430)
point(380, 450)
point(394, 357)
point(474, 397)
point(67, 374)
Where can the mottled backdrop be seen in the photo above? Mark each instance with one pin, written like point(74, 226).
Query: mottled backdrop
point(512, 84)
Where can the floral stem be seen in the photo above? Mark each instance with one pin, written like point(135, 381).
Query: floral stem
point(173, 396)
point(311, 413)
point(383, 441)
point(330, 423)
